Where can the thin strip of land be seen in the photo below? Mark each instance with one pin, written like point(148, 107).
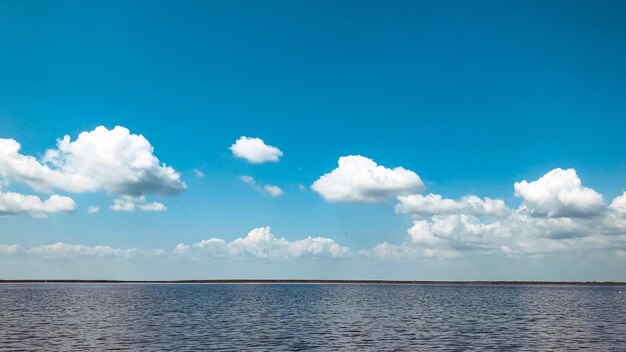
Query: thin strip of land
point(297, 281)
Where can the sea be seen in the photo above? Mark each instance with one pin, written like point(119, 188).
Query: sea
point(311, 317)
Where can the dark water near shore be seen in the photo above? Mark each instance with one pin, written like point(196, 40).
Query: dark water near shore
point(275, 317)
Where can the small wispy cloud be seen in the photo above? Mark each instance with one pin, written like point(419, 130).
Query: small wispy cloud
point(130, 204)
point(273, 190)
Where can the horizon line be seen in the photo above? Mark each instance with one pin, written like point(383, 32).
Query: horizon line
point(312, 281)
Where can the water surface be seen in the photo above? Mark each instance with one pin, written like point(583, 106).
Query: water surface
point(323, 317)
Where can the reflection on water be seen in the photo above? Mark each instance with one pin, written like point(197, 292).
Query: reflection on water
point(292, 317)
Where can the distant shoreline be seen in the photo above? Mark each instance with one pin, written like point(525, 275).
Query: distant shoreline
point(290, 281)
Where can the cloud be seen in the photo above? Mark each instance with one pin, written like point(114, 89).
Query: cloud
point(558, 216)
point(198, 173)
point(386, 250)
point(255, 150)
point(458, 231)
point(129, 204)
point(92, 209)
point(420, 233)
point(272, 190)
point(153, 206)
point(249, 180)
point(432, 204)
point(619, 204)
point(359, 179)
point(261, 243)
point(10, 249)
point(12, 203)
point(559, 193)
point(115, 161)
point(181, 248)
point(64, 250)
point(519, 234)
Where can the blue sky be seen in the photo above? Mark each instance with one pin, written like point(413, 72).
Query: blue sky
point(470, 96)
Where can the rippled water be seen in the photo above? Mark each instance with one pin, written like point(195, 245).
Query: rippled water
point(291, 317)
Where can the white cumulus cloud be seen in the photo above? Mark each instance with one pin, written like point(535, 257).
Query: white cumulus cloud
point(115, 161)
point(558, 216)
point(448, 235)
point(619, 204)
point(261, 243)
point(433, 204)
point(420, 233)
point(459, 231)
point(360, 179)
point(12, 203)
point(559, 193)
point(255, 150)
